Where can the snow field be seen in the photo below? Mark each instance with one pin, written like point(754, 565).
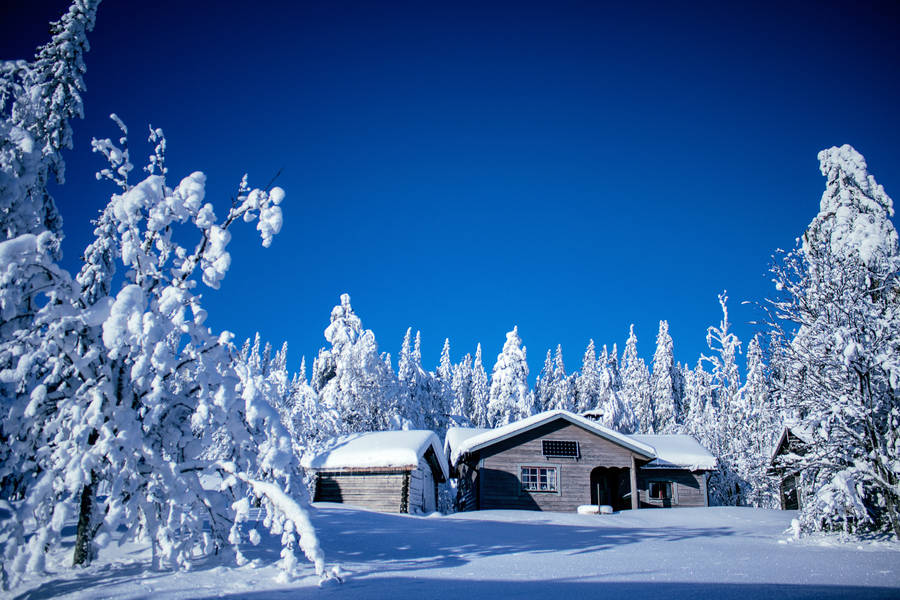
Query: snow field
point(720, 552)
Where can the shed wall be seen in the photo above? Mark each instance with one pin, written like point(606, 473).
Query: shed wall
point(689, 488)
point(382, 491)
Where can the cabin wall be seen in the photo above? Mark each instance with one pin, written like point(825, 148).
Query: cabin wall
point(467, 487)
point(689, 488)
point(499, 469)
point(382, 491)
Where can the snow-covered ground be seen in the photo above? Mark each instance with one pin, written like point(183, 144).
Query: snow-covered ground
point(703, 553)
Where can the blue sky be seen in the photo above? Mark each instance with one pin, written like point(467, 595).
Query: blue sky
point(567, 167)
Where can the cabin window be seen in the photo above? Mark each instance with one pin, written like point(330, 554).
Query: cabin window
point(539, 479)
point(661, 490)
point(560, 448)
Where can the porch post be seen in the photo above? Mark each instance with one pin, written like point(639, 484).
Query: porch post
point(634, 487)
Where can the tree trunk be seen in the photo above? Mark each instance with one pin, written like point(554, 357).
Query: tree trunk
point(84, 537)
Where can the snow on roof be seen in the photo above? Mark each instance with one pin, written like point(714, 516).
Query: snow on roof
point(677, 452)
point(796, 429)
point(470, 443)
point(389, 449)
point(457, 435)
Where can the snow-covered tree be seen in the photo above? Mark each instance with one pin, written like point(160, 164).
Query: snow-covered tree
point(617, 414)
point(838, 314)
point(509, 383)
point(38, 100)
point(636, 385)
point(587, 383)
point(757, 431)
point(135, 386)
point(302, 419)
point(356, 390)
point(461, 387)
point(544, 385)
point(726, 486)
point(662, 382)
point(562, 396)
point(480, 392)
point(700, 418)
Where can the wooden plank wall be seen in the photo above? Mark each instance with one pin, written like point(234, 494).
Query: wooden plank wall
point(416, 500)
point(499, 484)
point(690, 488)
point(377, 491)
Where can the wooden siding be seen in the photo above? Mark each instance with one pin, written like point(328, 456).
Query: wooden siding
point(498, 484)
point(689, 489)
point(382, 491)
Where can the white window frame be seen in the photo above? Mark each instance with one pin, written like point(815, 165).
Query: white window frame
point(557, 472)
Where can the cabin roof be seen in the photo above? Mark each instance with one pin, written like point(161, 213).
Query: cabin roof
point(677, 451)
point(795, 429)
point(467, 443)
point(377, 449)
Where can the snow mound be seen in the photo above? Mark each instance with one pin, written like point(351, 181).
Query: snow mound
point(388, 449)
point(677, 452)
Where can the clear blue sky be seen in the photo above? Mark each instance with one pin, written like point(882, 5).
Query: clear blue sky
point(465, 167)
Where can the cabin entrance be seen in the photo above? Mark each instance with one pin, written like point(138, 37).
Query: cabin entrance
point(790, 499)
point(611, 486)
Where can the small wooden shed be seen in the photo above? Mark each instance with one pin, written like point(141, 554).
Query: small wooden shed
point(388, 471)
point(792, 444)
point(557, 461)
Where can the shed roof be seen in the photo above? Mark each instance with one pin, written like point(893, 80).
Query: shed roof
point(791, 428)
point(387, 449)
point(677, 452)
point(467, 443)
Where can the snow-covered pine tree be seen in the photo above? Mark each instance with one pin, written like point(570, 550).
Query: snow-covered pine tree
point(636, 385)
point(424, 396)
point(461, 385)
point(480, 392)
point(356, 390)
point(39, 99)
point(617, 414)
point(442, 384)
point(726, 487)
point(678, 389)
point(562, 395)
point(587, 383)
point(757, 435)
point(544, 385)
point(662, 382)
point(839, 314)
point(303, 421)
point(700, 420)
point(509, 383)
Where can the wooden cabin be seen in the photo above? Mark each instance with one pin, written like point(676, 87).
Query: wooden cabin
point(557, 461)
point(387, 471)
point(793, 442)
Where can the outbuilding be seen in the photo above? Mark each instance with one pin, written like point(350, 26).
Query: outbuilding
point(557, 461)
point(388, 471)
point(792, 445)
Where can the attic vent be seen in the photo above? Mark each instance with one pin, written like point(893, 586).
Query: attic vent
point(560, 448)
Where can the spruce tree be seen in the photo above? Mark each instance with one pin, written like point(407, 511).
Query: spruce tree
point(480, 392)
point(662, 382)
point(587, 383)
point(636, 385)
point(509, 383)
